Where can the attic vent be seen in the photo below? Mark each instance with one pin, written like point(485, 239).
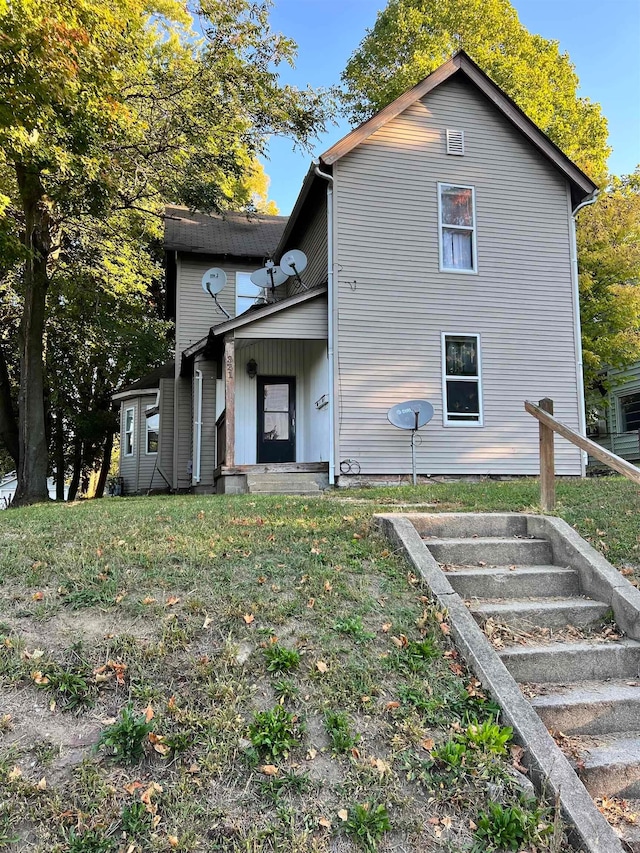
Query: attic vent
point(455, 142)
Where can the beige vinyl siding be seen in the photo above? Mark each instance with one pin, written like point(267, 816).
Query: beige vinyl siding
point(165, 459)
point(139, 471)
point(625, 444)
point(183, 433)
point(307, 321)
point(208, 440)
point(314, 244)
point(394, 303)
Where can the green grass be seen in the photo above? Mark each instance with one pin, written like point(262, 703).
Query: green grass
point(216, 612)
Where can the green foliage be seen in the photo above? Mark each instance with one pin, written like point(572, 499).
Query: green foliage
point(416, 656)
point(285, 689)
point(352, 625)
point(136, 820)
point(339, 731)
point(90, 841)
point(411, 38)
point(127, 736)
point(366, 824)
point(281, 659)
point(274, 732)
point(509, 828)
point(72, 690)
point(488, 737)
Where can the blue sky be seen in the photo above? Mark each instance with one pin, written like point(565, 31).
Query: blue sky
point(602, 37)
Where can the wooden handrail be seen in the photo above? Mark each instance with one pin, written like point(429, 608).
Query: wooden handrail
point(549, 423)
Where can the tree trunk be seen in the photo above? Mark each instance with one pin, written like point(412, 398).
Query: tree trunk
point(8, 422)
point(77, 469)
point(59, 456)
point(106, 465)
point(32, 439)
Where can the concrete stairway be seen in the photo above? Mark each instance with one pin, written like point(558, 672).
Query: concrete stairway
point(275, 483)
point(584, 686)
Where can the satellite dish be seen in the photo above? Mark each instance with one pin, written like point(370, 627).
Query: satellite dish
point(293, 262)
point(269, 277)
point(412, 414)
point(214, 280)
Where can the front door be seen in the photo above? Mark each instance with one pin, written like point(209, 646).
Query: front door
point(276, 419)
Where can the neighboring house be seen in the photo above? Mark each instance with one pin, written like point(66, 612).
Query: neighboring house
point(619, 430)
point(9, 484)
point(441, 265)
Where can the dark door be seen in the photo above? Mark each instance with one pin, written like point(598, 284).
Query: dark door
point(276, 419)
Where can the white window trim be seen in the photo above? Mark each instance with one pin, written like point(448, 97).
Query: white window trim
point(445, 414)
point(131, 409)
point(473, 228)
point(148, 452)
point(626, 391)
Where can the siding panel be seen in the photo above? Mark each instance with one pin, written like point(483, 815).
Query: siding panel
point(307, 321)
point(394, 303)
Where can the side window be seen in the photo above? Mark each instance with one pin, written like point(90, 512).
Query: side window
point(129, 424)
point(246, 292)
point(461, 379)
point(457, 228)
point(630, 412)
point(153, 426)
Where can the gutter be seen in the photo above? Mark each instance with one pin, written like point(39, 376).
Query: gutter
point(332, 324)
point(577, 331)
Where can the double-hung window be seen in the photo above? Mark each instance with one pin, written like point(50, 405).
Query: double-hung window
point(461, 379)
point(129, 425)
point(153, 427)
point(457, 228)
point(246, 292)
point(630, 412)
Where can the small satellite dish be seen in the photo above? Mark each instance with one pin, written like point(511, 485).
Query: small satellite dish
point(293, 262)
point(268, 277)
point(214, 280)
point(412, 414)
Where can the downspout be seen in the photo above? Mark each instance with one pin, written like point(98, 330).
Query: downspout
point(331, 331)
point(575, 280)
point(197, 428)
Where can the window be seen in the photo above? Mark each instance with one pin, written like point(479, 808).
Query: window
point(153, 426)
point(129, 422)
point(462, 390)
point(630, 412)
point(246, 292)
point(456, 225)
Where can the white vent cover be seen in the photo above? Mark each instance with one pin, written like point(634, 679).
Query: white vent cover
point(455, 142)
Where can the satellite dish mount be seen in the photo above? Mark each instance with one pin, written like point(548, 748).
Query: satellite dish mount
point(411, 415)
point(213, 282)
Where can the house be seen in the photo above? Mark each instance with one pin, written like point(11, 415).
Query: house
point(619, 429)
point(441, 266)
point(9, 485)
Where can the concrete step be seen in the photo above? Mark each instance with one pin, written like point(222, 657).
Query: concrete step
point(467, 525)
point(541, 612)
point(490, 551)
point(514, 581)
point(591, 707)
point(287, 483)
point(610, 766)
point(562, 663)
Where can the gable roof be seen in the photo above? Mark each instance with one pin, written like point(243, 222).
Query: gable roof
point(460, 63)
point(149, 383)
point(235, 234)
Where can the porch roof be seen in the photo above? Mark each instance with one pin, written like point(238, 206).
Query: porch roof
point(213, 341)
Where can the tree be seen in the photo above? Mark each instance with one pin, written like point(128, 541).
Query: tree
point(609, 251)
point(112, 105)
point(411, 38)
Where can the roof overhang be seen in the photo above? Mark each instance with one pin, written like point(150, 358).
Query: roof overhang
point(136, 392)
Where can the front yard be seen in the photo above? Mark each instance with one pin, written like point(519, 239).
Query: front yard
point(255, 674)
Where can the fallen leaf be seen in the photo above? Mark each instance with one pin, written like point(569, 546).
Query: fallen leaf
point(391, 706)
point(37, 596)
point(386, 627)
point(325, 823)
point(121, 542)
point(42, 784)
point(14, 773)
point(132, 787)
point(173, 599)
point(269, 770)
point(314, 551)
point(157, 741)
point(446, 821)
point(473, 824)
point(428, 743)
point(355, 752)
point(249, 618)
point(311, 603)
point(120, 597)
point(207, 621)
point(149, 600)
point(445, 628)
point(173, 839)
point(145, 797)
point(343, 814)
point(311, 753)
point(434, 820)
point(39, 678)
point(321, 666)
point(327, 586)
point(148, 713)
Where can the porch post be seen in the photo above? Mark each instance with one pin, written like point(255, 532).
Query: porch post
point(230, 399)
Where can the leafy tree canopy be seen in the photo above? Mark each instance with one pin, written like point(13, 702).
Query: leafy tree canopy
point(411, 38)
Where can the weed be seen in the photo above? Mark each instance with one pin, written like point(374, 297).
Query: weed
point(366, 824)
point(509, 828)
point(289, 782)
point(285, 689)
point(451, 753)
point(337, 725)
point(281, 659)
point(488, 737)
point(6, 836)
point(353, 626)
point(126, 737)
point(135, 819)
point(274, 732)
point(90, 841)
point(45, 751)
point(71, 689)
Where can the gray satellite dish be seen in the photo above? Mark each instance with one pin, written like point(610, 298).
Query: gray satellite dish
point(268, 277)
point(293, 262)
point(214, 280)
point(412, 415)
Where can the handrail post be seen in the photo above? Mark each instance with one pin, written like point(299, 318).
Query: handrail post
point(547, 461)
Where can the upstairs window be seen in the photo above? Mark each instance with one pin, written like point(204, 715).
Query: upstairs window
point(456, 225)
point(246, 292)
point(462, 388)
point(129, 423)
point(630, 412)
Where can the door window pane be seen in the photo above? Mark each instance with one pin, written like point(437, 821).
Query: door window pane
point(276, 426)
point(276, 398)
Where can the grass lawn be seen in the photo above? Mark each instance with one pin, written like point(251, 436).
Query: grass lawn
point(255, 674)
